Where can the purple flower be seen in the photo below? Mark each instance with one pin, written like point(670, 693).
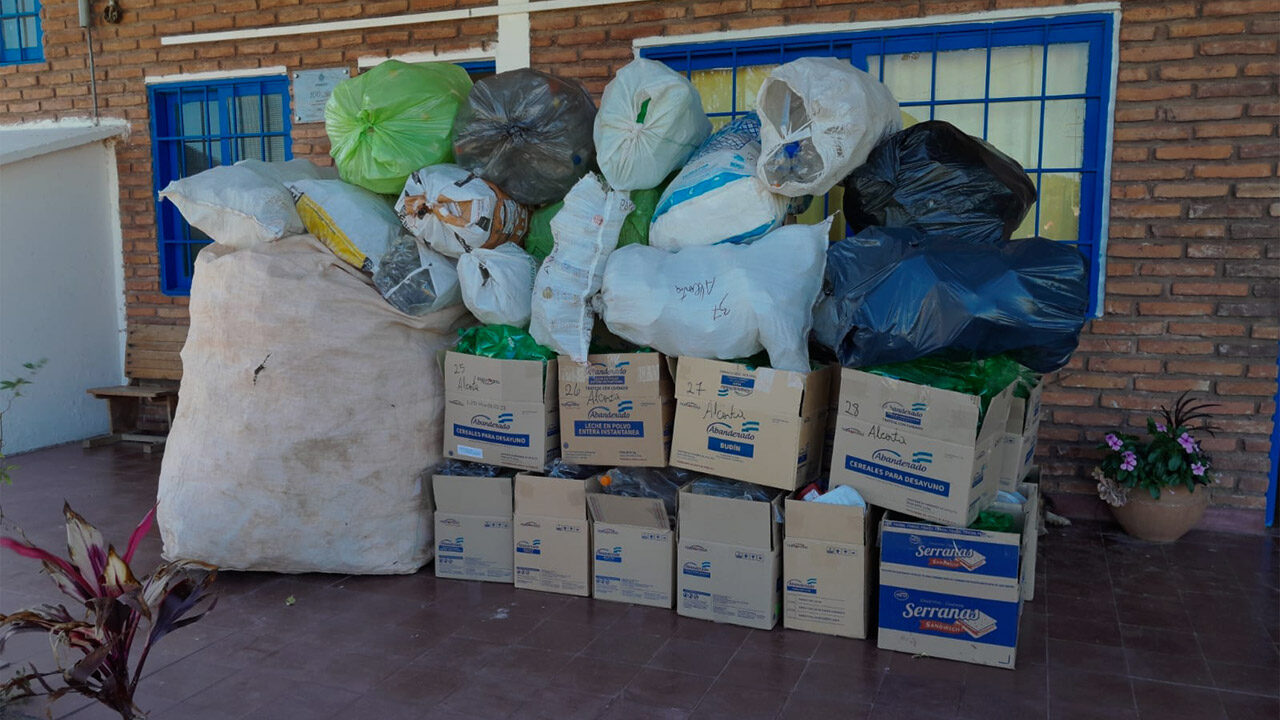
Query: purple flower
point(1161, 427)
point(1188, 443)
point(1130, 461)
point(1198, 469)
point(1113, 442)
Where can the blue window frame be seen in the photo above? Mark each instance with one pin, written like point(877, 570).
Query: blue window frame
point(198, 126)
point(1053, 78)
point(20, 33)
point(478, 69)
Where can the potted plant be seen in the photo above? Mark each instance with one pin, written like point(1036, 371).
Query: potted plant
point(1154, 487)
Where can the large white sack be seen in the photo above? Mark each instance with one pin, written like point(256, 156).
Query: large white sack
point(720, 301)
point(235, 205)
point(717, 196)
point(454, 210)
point(585, 231)
point(819, 119)
point(650, 121)
point(357, 225)
point(497, 284)
point(309, 410)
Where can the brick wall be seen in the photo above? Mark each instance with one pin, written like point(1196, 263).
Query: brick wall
point(1194, 249)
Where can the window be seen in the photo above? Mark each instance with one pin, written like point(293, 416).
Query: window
point(20, 32)
point(1039, 90)
point(199, 126)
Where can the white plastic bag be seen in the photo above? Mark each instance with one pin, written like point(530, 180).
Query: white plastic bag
point(497, 284)
point(453, 211)
point(650, 121)
point(235, 206)
point(357, 225)
point(720, 301)
point(819, 118)
point(415, 279)
point(717, 197)
point(586, 231)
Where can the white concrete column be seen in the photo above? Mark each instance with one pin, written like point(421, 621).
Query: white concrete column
point(512, 52)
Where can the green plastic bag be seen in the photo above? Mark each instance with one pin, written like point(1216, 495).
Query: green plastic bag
point(392, 120)
point(502, 342)
point(635, 228)
point(995, 521)
point(985, 378)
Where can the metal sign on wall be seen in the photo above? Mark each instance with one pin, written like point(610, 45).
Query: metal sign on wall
point(311, 90)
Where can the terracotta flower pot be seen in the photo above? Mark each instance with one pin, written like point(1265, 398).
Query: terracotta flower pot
point(1164, 520)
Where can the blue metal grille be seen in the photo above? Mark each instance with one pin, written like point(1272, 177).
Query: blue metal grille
point(1047, 98)
point(198, 126)
point(20, 33)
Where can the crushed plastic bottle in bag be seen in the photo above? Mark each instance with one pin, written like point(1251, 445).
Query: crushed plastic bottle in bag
point(647, 482)
point(732, 489)
point(415, 279)
point(558, 468)
point(462, 468)
point(502, 342)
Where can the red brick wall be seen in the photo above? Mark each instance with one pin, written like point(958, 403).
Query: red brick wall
point(1194, 249)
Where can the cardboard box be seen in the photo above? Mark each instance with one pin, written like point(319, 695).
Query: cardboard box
point(833, 412)
point(917, 449)
point(760, 425)
point(502, 412)
point(616, 410)
point(729, 560)
point(827, 562)
point(1017, 447)
point(473, 528)
point(953, 592)
point(552, 534)
point(633, 550)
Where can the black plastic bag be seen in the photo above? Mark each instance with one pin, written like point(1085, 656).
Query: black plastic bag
point(527, 132)
point(934, 177)
point(895, 294)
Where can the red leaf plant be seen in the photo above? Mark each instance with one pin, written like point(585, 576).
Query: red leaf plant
point(115, 605)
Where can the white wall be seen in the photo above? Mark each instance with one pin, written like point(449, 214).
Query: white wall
point(61, 291)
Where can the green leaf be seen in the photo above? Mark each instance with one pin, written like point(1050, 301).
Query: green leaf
point(290, 601)
point(1154, 490)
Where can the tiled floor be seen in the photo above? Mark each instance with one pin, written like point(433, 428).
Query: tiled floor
point(1119, 629)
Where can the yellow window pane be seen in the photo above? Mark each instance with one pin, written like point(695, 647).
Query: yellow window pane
point(1015, 71)
point(907, 76)
point(967, 117)
point(1014, 128)
point(1060, 206)
point(719, 122)
point(749, 81)
point(1068, 69)
point(909, 118)
point(716, 89)
point(1028, 227)
point(1063, 133)
point(962, 74)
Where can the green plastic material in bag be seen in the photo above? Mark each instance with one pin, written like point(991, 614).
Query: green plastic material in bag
point(995, 521)
point(502, 342)
point(635, 228)
point(985, 378)
point(392, 120)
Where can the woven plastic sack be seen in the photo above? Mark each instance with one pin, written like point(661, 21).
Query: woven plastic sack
point(527, 132)
point(650, 121)
point(497, 284)
point(635, 229)
point(454, 211)
point(586, 232)
point(355, 224)
point(819, 119)
point(393, 119)
point(415, 279)
point(895, 294)
point(717, 197)
point(934, 177)
point(235, 206)
point(310, 410)
point(720, 301)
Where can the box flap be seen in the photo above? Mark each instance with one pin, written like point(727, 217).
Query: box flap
point(550, 497)
point(997, 417)
point(817, 392)
point(821, 521)
point(506, 380)
point(733, 383)
point(466, 495)
point(633, 372)
point(637, 512)
point(728, 521)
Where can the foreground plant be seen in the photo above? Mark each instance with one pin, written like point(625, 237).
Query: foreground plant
point(1171, 457)
point(115, 605)
point(11, 390)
